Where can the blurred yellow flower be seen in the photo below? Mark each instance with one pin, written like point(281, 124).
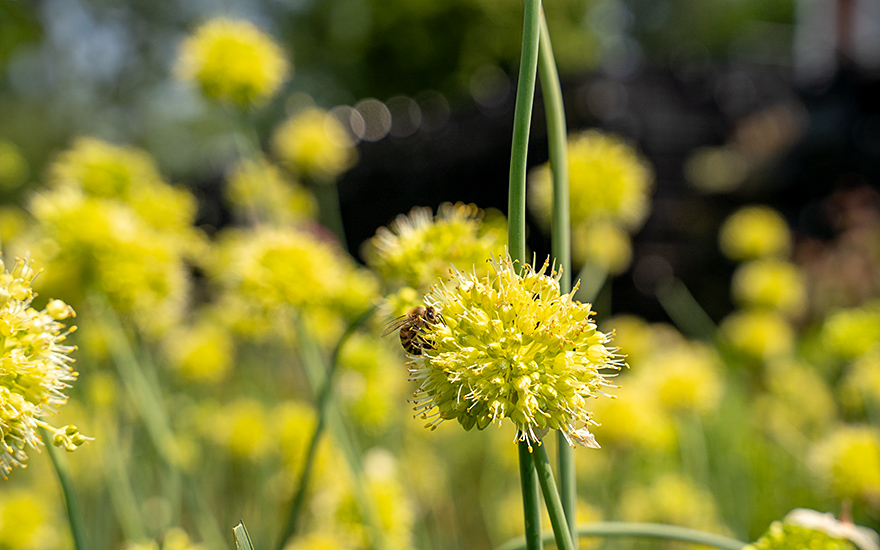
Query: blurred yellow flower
point(603, 243)
point(102, 169)
point(241, 427)
point(674, 499)
point(260, 191)
point(418, 249)
point(686, 377)
point(370, 377)
point(860, 388)
point(322, 540)
point(201, 353)
point(758, 334)
point(28, 521)
point(754, 232)
point(770, 283)
point(635, 419)
point(234, 62)
point(314, 145)
point(35, 367)
point(852, 332)
point(172, 539)
point(848, 460)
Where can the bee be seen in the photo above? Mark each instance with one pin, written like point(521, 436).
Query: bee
point(413, 327)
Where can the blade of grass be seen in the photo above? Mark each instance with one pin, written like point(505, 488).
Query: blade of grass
point(242, 538)
point(685, 311)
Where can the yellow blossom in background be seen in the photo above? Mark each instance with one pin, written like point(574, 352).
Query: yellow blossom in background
point(14, 168)
point(234, 62)
point(266, 272)
point(755, 232)
point(716, 169)
point(860, 388)
point(809, 530)
point(259, 190)
point(674, 499)
point(799, 401)
point(511, 345)
point(241, 428)
point(314, 145)
point(28, 521)
point(419, 248)
point(370, 376)
point(758, 334)
point(770, 283)
point(201, 353)
point(852, 332)
point(102, 169)
point(34, 369)
point(684, 378)
point(848, 461)
point(13, 223)
point(602, 243)
point(635, 419)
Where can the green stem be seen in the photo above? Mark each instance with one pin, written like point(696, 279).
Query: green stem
point(329, 213)
point(317, 374)
point(560, 237)
point(322, 405)
point(610, 529)
point(74, 515)
point(531, 504)
point(119, 486)
point(561, 532)
point(685, 311)
point(522, 117)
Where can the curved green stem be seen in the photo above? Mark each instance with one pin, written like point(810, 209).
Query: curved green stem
point(74, 514)
point(561, 532)
point(531, 503)
point(609, 529)
point(522, 117)
point(684, 310)
point(321, 405)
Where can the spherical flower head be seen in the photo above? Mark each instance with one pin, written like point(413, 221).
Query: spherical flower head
point(602, 243)
point(758, 334)
point(685, 378)
point(848, 460)
point(636, 419)
point(808, 529)
point(510, 345)
point(852, 332)
point(772, 284)
point(314, 145)
point(259, 190)
point(755, 232)
point(860, 388)
point(608, 179)
point(201, 353)
point(233, 62)
point(416, 249)
point(34, 369)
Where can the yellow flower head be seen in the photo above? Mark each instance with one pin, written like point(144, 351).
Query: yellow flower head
point(102, 169)
point(685, 378)
point(755, 232)
point(314, 145)
point(636, 419)
point(417, 249)
point(259, 190)
point(807, 529)
point(758, 334)
point(602, 243)
point(799, 400)
point(510, 345)
point(852, 332)
point(233, 62)
point(29, 520)
point(861, 385)
point(849, 462)
point(608, 180)
point(770, 283)
point(34, 368)
point(201, 353)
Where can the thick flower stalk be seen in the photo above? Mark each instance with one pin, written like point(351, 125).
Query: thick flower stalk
point(34, 369)
point(511, 345)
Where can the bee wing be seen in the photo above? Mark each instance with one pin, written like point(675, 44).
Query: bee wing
point(395, 325)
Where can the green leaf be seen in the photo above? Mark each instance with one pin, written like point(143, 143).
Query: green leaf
point(242, 539)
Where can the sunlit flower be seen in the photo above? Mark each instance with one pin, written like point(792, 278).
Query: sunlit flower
point(807, 529)
point(755, 232)
point(241, 428)
point(772, 284)
point(28, 521)
point(608, 181)
point(314, 145)
point(848, 460)
point(686, 377)
point(510, 345)
point(417, 249)
point(201, 353)
point(34, 369)
point(636, 419)
point(852, 332)
point(259, 190)
point(758, 334)
point(234, 62)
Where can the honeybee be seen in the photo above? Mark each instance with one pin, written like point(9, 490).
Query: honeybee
point(412, 328)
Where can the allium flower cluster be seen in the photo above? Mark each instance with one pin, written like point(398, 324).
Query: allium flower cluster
point(314, 145)
point(34, 368)
point(233, 62)
point(754, 232)
point(417, 249)
point(511, 345)
point(808, 529)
